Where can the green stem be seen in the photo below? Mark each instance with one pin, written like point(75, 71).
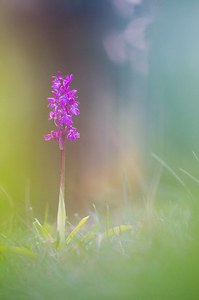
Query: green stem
point(62, 175)
point(61, 215)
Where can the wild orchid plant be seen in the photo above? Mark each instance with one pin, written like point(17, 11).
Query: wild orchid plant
point(63, 107)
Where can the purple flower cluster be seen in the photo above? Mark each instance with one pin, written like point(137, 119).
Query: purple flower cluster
point(63, 106)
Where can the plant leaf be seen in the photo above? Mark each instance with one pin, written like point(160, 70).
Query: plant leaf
point(76, 229)
point(115, 231)
point(23, 250)
point(61, 218)
point(42, 230)
point(20, 250)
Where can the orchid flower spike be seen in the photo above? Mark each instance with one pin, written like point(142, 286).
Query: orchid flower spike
point(63, 107)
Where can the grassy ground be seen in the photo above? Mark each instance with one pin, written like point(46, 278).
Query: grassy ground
point(156, 258)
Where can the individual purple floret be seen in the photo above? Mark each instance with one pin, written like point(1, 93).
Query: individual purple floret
point(63, 106)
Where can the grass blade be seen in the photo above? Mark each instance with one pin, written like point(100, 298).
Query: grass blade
point(115, 231)
point(76, 229)
point(61, 218)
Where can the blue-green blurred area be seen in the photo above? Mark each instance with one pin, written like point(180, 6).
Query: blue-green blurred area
point(136, 68)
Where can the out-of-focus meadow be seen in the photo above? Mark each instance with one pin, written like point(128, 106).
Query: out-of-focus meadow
point(135, 65)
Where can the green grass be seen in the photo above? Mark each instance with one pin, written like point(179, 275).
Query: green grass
point(156, 258)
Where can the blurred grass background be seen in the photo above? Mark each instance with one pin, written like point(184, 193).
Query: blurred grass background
point(135, 66)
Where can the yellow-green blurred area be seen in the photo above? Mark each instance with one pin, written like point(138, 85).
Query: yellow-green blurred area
point(136, 68)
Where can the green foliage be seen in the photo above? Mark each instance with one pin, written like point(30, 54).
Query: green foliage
point(154, 256)
point(76, 230)
point(61, 218)
point(18, 250)
point(115, 231)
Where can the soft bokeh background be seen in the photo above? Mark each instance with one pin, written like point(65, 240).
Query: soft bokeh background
point(136, 68)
